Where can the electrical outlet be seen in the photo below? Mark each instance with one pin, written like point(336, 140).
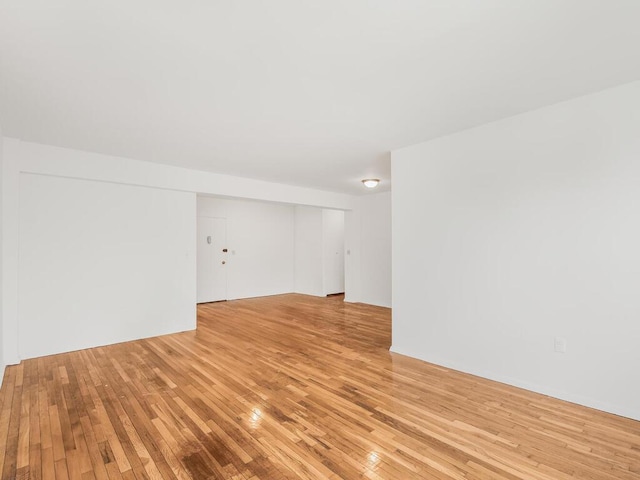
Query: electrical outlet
point(560, 344)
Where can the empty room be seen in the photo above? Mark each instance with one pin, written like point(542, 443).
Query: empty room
point(316, 240)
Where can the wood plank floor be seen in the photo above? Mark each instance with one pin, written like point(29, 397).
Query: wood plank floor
point(289, 387)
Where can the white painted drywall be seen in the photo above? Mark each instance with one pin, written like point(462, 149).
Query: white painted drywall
point(519, 231)
point(2, 363)
point(20, 158)
point(375, 249)
point(368, 250)
point(102, 263)
point(333, 251)
point(28, 158)
point(65, 162)
point(260, 239)
point(10, 201)
point(308, 251)
point(352, 256)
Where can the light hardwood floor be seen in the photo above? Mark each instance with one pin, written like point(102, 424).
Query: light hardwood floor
point(289, 387)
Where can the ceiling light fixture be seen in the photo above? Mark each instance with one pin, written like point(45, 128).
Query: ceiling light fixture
point(371, 182)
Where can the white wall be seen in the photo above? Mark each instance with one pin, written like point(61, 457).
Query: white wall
point(10, 199)
point(368, 248)
point(65, 162)
point(21, 158)
point(260, 239)
point(24, 158)
point(102, 263)
point(309, 253)
point(2, 362)
point(519, 231)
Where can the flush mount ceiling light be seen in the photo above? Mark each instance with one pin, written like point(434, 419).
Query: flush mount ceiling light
point(371, 182)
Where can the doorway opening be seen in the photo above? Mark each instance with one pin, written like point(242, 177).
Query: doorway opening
point(248, 248)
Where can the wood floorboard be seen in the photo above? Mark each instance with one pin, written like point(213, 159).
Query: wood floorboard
point(291, 387)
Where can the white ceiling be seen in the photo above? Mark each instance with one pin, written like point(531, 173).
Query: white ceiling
point(313, 93)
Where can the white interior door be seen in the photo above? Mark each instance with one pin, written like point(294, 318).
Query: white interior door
point(212, 259)
point(333, 254)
